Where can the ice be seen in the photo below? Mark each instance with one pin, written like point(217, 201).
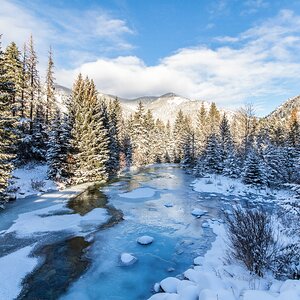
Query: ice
point(197, 212)
point(127, 259)
point(45, 220)
point(14, 267)
point(139, 193)
point(145, 240)
point(169, 284)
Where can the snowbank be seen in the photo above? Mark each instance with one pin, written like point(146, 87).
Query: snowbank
point(14, 267)
point(212, 279)
point(47, 220)
point(31, 179)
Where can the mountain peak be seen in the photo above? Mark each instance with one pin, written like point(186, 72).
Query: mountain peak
point(169, 95)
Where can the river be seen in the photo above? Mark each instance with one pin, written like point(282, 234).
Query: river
point(85, 264)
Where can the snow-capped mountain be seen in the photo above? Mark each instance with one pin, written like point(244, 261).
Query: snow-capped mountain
point(164, 107)
point(283, 112)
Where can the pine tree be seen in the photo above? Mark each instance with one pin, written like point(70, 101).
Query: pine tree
point(7, 127)
point(58, 148)
point(89, 136)
point(13, 73)
point(213, 119)
point(50, 89)
point(179, 134)
point(212, 154)
point(201, 129)
point(254, 174)
point(226, 143)
point(33, 81)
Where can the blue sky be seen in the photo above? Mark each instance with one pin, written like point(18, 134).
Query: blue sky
point(228, 51)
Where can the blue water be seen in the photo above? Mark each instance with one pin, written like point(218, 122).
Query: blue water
point(178, 236)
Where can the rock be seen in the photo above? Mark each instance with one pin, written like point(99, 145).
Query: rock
point(145, 240)
point(169, 284)
point(171, 270)
point(197, 212)
point(199, 260)
point(127, 259)
point(169, 205)
point(156, 287)
point(205, 225)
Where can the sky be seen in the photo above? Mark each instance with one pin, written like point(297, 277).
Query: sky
point(228, 51)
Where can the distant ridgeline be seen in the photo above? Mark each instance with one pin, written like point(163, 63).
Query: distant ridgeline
point(86, 136)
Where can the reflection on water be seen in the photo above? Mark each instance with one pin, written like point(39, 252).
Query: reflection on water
point(63, 263)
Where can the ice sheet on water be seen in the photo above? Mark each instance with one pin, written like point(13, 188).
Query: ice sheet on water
point(14, 267)
point(143, 192)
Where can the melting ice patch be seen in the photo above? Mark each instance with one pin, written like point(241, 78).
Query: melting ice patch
point(139, 193)
point(48, 220)
point(14, 267)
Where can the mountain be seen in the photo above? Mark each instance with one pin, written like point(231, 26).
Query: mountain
point(283, 112)
point(165, 107)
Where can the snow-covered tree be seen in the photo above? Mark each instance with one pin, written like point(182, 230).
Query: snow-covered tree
point(58, 148)
point(50, 89)
point(254, 173)
point(212, 154)
point(7, 128)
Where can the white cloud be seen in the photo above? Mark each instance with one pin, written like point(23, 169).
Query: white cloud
point(264, 56)
point(81, 34)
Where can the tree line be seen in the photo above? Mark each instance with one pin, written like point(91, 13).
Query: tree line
point(87, 138)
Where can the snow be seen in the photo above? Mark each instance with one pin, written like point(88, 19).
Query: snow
point(197, 212)
point(45, 220)
point(139, 193)
point(145, 240)
point(14, 267)
point(127, 259)
point(170, 284)
point(212, 279)
point(24, 177)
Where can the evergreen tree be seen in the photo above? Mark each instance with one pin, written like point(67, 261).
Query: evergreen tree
point(179, 134)
point(201, 129)
point(50, 89)
point(33, 85)
point(58, 148)
point(226, 143)
point(212, 154)
point(7, 128)
point(89, 136)
point(213, 119)
point(13, 73)
point(254, 174)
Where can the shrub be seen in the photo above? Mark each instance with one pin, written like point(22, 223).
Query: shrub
point(254, 241)
point(37, 185)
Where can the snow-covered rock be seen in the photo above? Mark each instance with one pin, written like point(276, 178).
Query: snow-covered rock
point(197, 212)
point(169, 284)
point(168, 204)
point(127, 259)
point(145, 240)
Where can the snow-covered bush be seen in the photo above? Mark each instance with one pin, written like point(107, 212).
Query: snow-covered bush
point(37, 185)
point(254, 241)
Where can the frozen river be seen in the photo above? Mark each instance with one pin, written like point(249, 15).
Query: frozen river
point(77, 244)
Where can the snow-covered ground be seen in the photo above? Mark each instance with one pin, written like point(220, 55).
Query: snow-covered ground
point(212, 277)
point(52, 219)
point(31, 179)
point(14, 267)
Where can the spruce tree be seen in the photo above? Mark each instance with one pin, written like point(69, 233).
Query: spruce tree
point(13, 73)
point(212, 154)
point(201, 129)
point(7, 129)
point(58, 148)
point(213, 119)
point(226, 143)
point(89, 136)
point(50, 89)
point(254, 173)
point(33, 85)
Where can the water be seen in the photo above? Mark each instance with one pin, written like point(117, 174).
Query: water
point(178, 236)
point(88, 266)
